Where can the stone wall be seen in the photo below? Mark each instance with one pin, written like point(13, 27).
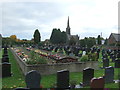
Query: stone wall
point(46, 69)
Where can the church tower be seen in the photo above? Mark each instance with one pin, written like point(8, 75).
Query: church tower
point(68, 27)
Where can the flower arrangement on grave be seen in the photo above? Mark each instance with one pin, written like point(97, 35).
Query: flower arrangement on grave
point(36, 59)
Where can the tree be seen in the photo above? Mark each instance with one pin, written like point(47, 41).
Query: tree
point(58, 37)
point(13, 39)
point(99, 40)
point(72, 41)
point(37, 37)
point(63, 37)
point(89, 42)
point(106, 41)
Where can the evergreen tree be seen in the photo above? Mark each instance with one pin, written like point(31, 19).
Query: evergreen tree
point(99, 40)
point(58, 37)
point(37, 37)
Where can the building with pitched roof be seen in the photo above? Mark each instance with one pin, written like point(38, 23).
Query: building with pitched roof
point(114, 39)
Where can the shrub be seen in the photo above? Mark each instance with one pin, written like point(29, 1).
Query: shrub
point(94, 57)
point(32, 54)
point(84, 58)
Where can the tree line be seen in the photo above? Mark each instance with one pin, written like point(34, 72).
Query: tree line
point(57, 37)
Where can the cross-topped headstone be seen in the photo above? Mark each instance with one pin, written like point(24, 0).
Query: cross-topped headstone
point(33, 79)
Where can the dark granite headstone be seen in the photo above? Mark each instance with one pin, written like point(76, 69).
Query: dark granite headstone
point(97, 83)
point(33, 79)
point(113, 58)
point(6, 69)
point(5, 59)
point(105, 62)
point(5, 51)
point(109, 74)
point(117, 63)
point(4, 55)
point(63, 79)
point(88, 74)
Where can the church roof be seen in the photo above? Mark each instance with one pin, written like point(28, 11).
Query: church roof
point(116, 36)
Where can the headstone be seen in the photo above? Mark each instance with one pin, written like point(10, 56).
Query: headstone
point(97, 83)
point(6, 69)
point(71, 54)
point(88, 74)
point(109, 74)
point(84, 53)
point(105, 62)
point(63, 79)
point(5, 59)
point(4, 55)
point(33, 79)
point(113, 58)
point(117, 63)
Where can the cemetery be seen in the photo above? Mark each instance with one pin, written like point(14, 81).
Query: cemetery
point(62, 62)
point(105, 70)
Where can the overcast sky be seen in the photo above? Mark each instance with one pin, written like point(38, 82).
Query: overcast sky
point(88, 18)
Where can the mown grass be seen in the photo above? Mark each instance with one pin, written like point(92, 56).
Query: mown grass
point(47, 81)
point(17, 78)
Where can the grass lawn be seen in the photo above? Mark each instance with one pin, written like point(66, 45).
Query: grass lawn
point(17, 80)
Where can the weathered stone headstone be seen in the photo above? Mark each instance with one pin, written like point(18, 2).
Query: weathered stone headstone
point(109, 74)
point(117, 63)
point(33, 79)
point(105, 62)
point(97, 83)
point(6, 69)
point(63, 79)
point(88, 74)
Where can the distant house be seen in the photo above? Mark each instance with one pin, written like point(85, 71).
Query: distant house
point(114, 39)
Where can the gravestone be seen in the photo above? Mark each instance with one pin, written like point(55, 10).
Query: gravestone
point(97, 83)
point(109, 74)
point(4, 55)
point(63, 79)
point(88, 74)
point(71, 54)
point(6, 69)
point(105, 62)
point(117, 63)
point(5, 59)
point(33, 79)
point(113, 58)
point(84, 53)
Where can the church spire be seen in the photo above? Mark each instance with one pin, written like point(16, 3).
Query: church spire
point(68, 22)
point(68, 27)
